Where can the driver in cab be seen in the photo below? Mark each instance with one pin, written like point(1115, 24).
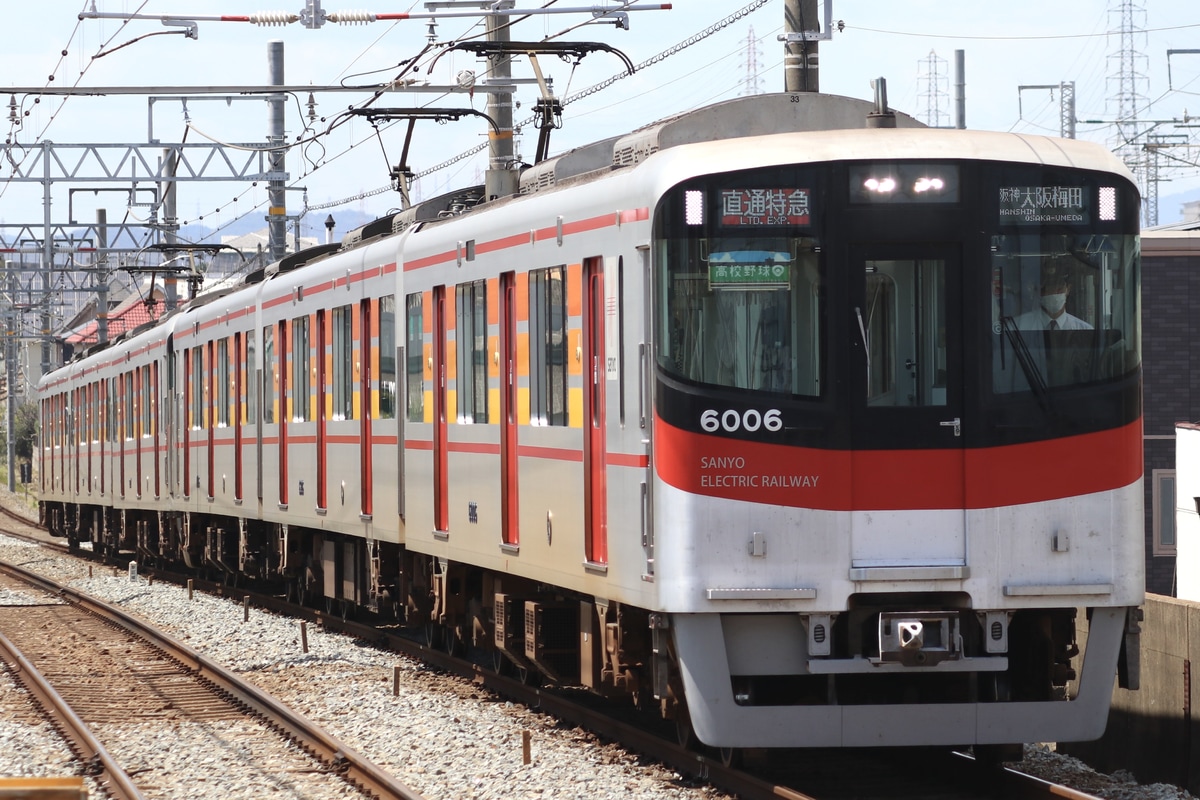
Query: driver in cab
point(1051, 313)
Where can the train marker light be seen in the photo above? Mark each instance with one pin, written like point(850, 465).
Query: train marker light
point(693, 207)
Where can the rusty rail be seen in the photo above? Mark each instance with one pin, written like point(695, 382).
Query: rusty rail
point(325, 747)
point(99, 764)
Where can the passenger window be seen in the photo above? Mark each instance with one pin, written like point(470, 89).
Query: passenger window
point(548, 346)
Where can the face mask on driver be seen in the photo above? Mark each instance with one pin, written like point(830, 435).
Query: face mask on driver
point(1054, 303)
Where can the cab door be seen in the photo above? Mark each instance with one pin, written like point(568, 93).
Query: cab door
point(907, 406)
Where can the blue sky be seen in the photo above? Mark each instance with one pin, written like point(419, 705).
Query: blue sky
point(1021, 42)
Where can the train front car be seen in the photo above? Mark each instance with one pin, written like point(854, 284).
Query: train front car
point(897, 436)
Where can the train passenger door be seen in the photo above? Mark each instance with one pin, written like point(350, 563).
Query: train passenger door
point(170, 418)
point(238, 366)
point(156, 426)
point(509, 509)
point(907, 384)
point(441, 462)
point(368, 328)
point(322, 454)
point(595, 495)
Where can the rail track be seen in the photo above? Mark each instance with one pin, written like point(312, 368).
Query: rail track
point(821, 775)
point(111, 682)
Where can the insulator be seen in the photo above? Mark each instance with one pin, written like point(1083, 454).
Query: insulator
point(352, 17)
point(272, 18)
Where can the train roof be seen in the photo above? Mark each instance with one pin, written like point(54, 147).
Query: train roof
point(754, 115)
point(832, 126)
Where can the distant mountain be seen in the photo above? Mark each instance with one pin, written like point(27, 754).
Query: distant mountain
point(1170, 206)
point(313, 224)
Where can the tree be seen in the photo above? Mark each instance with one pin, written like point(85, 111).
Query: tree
point(25, 430)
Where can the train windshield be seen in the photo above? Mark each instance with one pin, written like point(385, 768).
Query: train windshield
point(1064, 302)
point(740, 305)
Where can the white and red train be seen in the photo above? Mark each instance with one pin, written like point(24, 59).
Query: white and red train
point(750, 412)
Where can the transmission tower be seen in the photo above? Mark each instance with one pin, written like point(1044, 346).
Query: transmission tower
point(933, 74)
point(752, 84)
point(1127, 68)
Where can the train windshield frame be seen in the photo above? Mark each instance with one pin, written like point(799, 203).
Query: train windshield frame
point(770, 283)
point(1065, 308)
point(740, 284)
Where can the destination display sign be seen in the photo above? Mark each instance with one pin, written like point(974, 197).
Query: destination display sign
point(749, 269)
point(780, 206)
point(1039, 205)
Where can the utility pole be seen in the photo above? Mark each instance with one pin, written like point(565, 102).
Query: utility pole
point(960, 89)
point(101, 276)
point(800, 72)
point(10, 372)
point(171, 227)
point(276, 188)
point(501, 178)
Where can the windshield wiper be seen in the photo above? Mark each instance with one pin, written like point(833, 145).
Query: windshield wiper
point(1033, 375)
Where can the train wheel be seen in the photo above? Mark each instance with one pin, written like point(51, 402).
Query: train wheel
point(452, 641)
point(527, 676)
point(731, 756)
point(685, 734)
point(997, 687)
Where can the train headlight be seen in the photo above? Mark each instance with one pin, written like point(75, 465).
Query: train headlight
point(880, 185)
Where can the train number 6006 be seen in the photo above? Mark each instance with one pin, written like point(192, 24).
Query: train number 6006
point(749, 420)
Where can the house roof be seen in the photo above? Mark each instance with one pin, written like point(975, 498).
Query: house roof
point(129, 314)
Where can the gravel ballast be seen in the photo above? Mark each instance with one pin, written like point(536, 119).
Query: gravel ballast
point(441, 735)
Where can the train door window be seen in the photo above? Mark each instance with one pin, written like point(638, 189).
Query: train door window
point(248, 386)
point(548, 346)
point(147, 403)
point(111, 418)
point(902, 319)
point(127, 400)
point(471, 336)
point(223, 381)
point(414, 349)
point(197, 386)
point(614, 326)
point(387, 357)
point(1164, 512)
point(343, 363)
point(741, 311)
point(270, 379)
point(301, 382)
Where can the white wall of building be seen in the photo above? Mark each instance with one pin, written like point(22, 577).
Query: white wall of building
point(1187, 521)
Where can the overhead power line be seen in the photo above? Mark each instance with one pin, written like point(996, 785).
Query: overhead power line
point(587, 92)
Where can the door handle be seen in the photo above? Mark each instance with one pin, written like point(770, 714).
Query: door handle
point(955, 423)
